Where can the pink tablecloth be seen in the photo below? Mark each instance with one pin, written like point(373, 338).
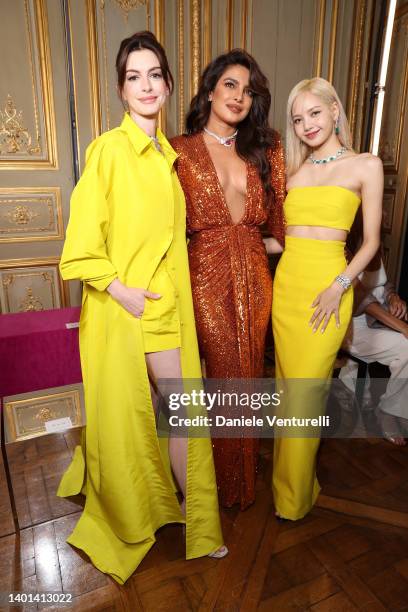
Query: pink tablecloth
point(37, 351)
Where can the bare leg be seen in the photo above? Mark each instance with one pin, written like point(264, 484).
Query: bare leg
point(167, 364)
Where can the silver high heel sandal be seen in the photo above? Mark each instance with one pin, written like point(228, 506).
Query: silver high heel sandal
point(220, 553)
point(217, 554)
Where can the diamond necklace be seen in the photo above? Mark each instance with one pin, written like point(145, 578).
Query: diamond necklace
point(224, 140)
point(157, 144)
point(328, 159)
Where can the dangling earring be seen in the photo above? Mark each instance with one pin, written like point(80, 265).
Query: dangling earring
point(125, 105)
point(336, 127)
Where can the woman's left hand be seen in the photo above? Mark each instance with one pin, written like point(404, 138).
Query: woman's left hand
point(398, 307)
point(326, 304)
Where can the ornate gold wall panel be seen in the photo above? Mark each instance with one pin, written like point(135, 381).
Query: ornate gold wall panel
point(110, 21)
point(195, 25)
point(27, 285)
point(396, 97)
point(27, 121)
point(388, 210)
point(28, 214)
point(394, 147)
point(181, 72)
point(26, 415)
point(359, 69)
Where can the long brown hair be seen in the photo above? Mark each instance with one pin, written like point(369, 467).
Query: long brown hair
point(136, 42)
point(255, 136)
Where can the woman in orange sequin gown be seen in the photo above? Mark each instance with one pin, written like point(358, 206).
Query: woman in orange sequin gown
point(230, 277)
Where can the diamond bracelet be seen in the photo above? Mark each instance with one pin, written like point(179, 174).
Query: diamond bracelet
point(344, 281)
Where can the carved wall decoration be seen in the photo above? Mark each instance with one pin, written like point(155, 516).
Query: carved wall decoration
point(20, 215)
point(126, 5)
point(27, 285)
point(14, 136)
point(195, 8)
point(27, 122)
point(27, 414)
point(388, 210)
point(30, 302)
point(103, 29)
point(395, 97)
point(180, 33)
point(30, 214)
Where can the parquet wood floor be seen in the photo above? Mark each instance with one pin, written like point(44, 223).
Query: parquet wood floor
point(350, 553)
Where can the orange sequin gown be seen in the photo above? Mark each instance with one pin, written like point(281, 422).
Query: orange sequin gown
point(232, 289)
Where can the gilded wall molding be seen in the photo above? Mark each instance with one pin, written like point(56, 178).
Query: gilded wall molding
point(195, 14)
point(105, 66)
point(230, 25)
point(159, 17)
point(14, 136)
point(26, 416)
point(207, 37)
point(30, 214)
point(41, 148)
point(180, 33)
point(127, 5)
point(320, 19)
point(388, 210)
point(390, 139)
point(244, 19)
point(31, 284)
point(333, 35)
point(93, 63)
point(360, 16)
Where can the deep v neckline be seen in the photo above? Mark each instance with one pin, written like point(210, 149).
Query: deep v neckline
point(219, 186)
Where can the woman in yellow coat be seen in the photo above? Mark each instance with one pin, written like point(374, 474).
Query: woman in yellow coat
point(126, 242)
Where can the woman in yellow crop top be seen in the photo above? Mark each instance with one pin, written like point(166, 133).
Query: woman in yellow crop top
point(326, 181)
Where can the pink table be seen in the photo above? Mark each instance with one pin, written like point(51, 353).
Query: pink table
point(37, 351)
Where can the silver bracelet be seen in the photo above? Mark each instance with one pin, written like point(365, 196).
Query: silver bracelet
point(344, 281)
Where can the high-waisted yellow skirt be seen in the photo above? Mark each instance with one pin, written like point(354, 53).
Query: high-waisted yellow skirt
point(306, 268)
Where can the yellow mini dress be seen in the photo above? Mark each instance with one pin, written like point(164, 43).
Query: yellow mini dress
point(306, 268)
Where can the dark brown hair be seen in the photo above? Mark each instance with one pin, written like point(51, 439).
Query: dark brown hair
point(136, 42)
point(255, 136)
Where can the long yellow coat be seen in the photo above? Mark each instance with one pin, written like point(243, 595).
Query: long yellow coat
point(127, 212)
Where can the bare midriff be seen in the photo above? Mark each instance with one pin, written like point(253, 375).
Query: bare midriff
point(316, 232)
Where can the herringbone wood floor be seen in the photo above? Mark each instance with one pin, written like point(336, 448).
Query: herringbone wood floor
point(350, 553)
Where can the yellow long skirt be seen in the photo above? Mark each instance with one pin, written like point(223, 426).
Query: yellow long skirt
point(306, 268)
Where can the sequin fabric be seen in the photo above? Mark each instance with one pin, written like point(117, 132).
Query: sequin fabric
point(232, 289)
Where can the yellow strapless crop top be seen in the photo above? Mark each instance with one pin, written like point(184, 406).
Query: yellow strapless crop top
point(322, 205)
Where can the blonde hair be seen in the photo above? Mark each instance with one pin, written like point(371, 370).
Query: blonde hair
point(296, 150)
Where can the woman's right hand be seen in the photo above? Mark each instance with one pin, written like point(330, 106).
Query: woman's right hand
point(131, 298)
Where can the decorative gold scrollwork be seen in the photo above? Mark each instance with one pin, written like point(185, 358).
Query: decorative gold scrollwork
point(14, 137)
point(129, 5)
point(45, 414)
point(21, 215)
point(30, 302)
